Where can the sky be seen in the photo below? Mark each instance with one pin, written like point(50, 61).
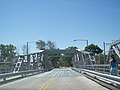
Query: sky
point(60, 21)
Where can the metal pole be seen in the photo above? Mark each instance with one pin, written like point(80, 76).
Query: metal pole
point(27, 47)
point(104, 51)
point(87, 42)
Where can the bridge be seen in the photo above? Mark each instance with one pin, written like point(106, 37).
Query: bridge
point(35, 72)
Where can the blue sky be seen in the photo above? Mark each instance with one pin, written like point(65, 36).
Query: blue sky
point(60, 21)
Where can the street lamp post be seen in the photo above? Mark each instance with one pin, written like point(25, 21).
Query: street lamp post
point(104, 46)
point(82, 40)
point(104, 52)
point(28, 46)
point(28, 56)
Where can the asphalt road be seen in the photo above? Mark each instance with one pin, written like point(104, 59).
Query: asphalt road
point(57, 79)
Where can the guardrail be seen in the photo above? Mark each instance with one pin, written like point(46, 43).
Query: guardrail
point(4, 77)
point(103, 68)
point(112, 82)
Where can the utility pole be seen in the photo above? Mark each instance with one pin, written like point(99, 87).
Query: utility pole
point(104, 52)
point(27, 47)
point(87, 42)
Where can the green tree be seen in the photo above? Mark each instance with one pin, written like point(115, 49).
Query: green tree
point(41, 44)
point(55, 59)
point(7, 51)
point(100, 58)
point(50, 45)
point(94, 49)
point(11, 51)
point(67, 58)
point(24, 49)
point(2, 52)
point(72, 48)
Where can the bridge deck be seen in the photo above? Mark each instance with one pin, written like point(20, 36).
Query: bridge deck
point(57, 79)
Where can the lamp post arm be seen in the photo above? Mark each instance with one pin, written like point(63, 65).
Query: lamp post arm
point(82, 40)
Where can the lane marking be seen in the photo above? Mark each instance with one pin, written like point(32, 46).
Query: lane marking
point(45, 83)
point(48, 82)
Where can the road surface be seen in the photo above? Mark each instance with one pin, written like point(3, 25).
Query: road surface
point(57, 79)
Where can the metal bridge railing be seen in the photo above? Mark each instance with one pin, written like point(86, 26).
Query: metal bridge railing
point(102, 68)
point(112, 82)
point(9, 76)
point(97, 68)
point(100, 74)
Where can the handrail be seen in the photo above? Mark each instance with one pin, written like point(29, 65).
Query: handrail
point(115, 78)
point(111, 81)
point(104, 68)
point(22, 73)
